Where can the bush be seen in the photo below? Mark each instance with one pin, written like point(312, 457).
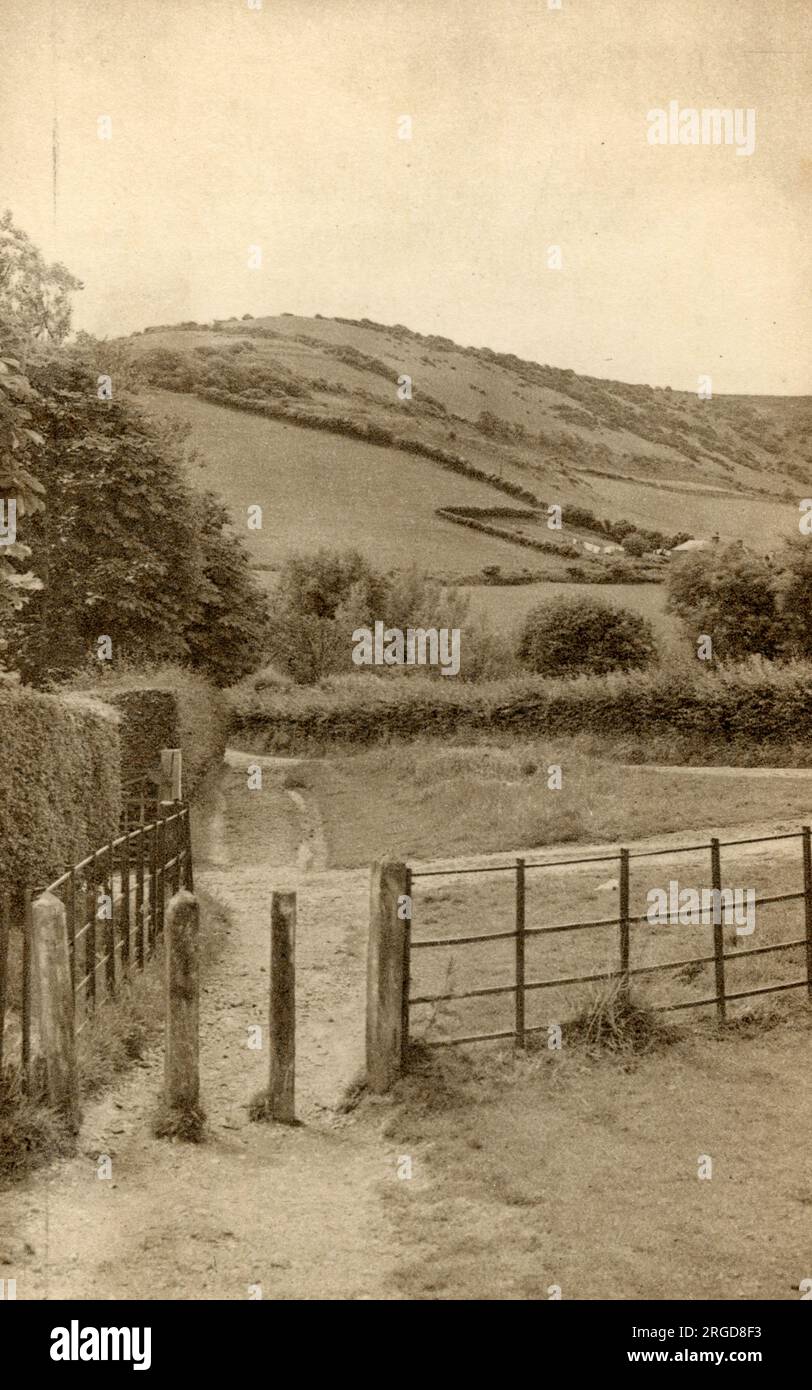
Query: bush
point(60, 794)
point(569, 638)
point(734, 708)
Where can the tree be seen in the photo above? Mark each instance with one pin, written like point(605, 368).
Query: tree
point(728, 593)
point(566, 638)
point(322, 598)
point(226, 638)
point(21, 493)
point(794, 597)
point(127, 549)
point(635, 545)
point(35, 296)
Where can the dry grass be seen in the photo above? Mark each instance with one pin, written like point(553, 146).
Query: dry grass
point(581, 1171)
point(428, 800)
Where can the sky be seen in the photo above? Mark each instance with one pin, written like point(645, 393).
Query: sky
point(280, 128)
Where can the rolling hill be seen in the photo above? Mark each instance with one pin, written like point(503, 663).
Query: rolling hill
point(326, 433)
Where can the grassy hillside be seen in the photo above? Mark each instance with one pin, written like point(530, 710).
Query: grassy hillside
point(658, 458)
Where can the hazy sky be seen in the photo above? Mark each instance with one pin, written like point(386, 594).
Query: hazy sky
point(233, 127)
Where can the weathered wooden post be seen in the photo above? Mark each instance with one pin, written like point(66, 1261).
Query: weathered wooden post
point(282, 1079)
point(5, 933)
point(386, 967)
point(181, 1064)
point(55, 998)
point(171, 775)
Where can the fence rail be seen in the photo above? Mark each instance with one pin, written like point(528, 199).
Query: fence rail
point(623, 973)
point(114, 903)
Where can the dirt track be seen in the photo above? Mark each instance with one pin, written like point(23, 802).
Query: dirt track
point(296, 1210)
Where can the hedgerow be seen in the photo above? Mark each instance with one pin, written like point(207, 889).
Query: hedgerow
point(60, 793)
point(756, 704)
point(168, 707)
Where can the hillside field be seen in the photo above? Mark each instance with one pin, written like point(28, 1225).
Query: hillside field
point(659, 459)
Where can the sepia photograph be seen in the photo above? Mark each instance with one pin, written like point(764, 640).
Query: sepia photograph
point(406, 666)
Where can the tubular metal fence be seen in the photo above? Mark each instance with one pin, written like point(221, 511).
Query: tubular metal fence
point(623, 972)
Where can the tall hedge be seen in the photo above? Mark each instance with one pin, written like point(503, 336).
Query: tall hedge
point(171, 707)
point(60, 792)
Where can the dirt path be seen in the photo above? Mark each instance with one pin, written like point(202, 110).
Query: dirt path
point(295, 1210)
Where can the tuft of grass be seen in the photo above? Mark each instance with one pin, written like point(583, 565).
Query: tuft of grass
point(184, 1122)
point(259, 1110)
point(30, 1132)
point(615, 1020)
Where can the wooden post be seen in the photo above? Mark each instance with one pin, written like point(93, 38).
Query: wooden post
point(5, 933)
point(153, 887)
point(386, 962)
point(70, 894)
point(807, 857)
point(624, 921)
point(189, 874)
point(718, 934)
point(55, 999)
point(404, 1009)
point(282, 1080)
point(28, 948)
point(181, 1065)
point(110, 932)
point(520, 945)
point(140, 917)
point(171, 779)
point(90, 939)
point(126, 927)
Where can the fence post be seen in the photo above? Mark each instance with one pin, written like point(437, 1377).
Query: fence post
point(126, 926)
point(520, 945)
point(807, 856)
point(55, 999)
point(70, 894)
point(28, 946)
point(718, 933)
point(386, 964)
point(90, 938)
point(171, 778)
point(404, 1006)
point(181, 1063)
point(624, 921)
point(5, 932)
point(110, 932)
point(188, 866)
point(282, 1080)
point(140, 914)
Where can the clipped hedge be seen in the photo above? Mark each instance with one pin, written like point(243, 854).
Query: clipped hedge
point(757, 704)
point(60, 793)
point(171, 707)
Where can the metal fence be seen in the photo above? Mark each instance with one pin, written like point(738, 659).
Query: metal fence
point(114, 904)
point(624, 971)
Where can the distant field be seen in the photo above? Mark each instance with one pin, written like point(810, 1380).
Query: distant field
point(321, 489)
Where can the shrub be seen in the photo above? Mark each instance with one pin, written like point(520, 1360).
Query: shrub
point(567, 638)
point(728, 593)
point(60, 792)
